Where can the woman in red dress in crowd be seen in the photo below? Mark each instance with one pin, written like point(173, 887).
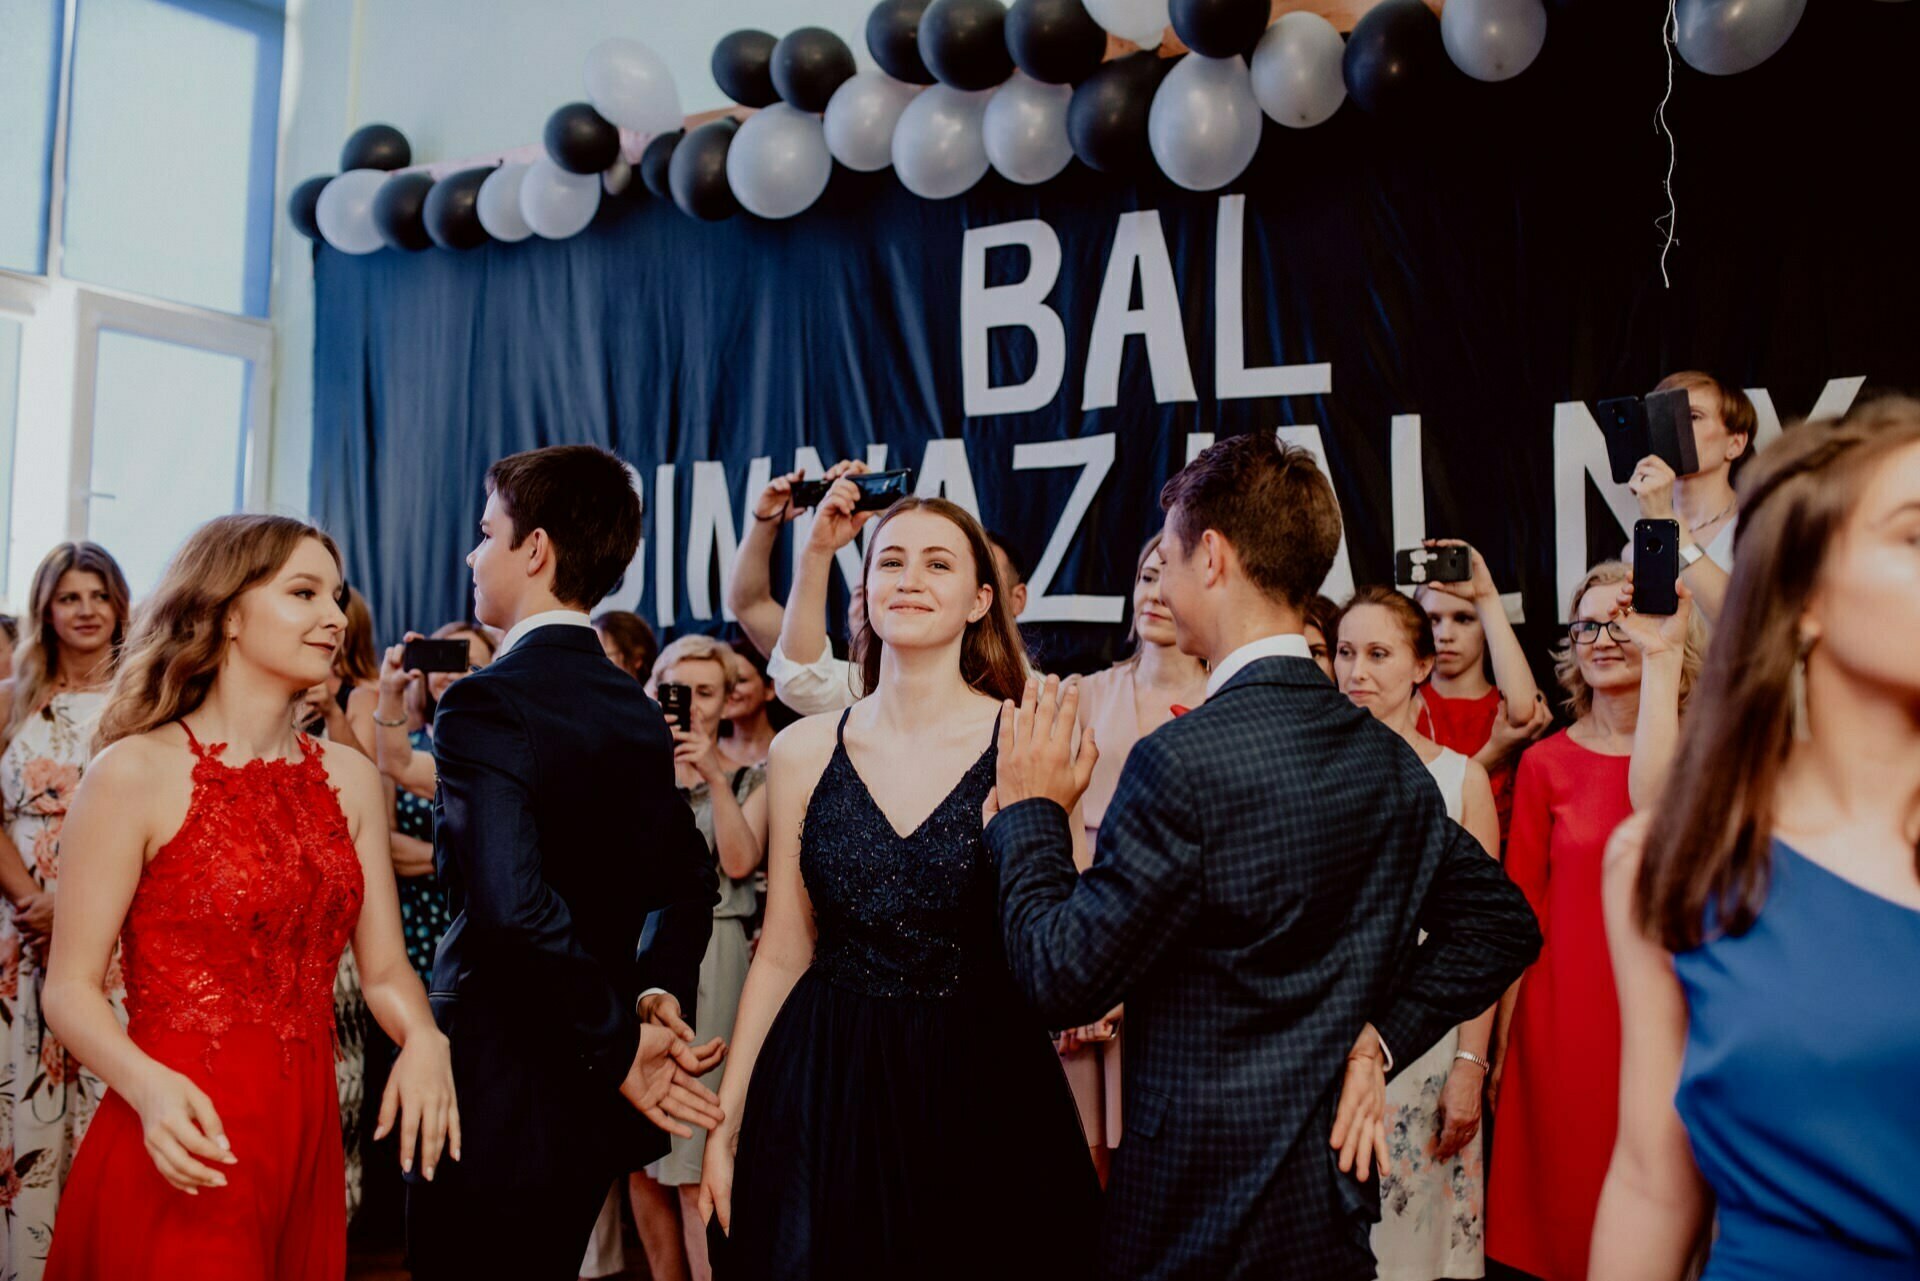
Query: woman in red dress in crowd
point(233, 857)
point(1556, 1057)
point(1487, 721)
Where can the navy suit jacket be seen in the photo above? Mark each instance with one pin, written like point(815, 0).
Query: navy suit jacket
point(1256, 897)
point(558, 832)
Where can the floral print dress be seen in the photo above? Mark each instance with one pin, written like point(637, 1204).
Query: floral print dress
point(46, 1098)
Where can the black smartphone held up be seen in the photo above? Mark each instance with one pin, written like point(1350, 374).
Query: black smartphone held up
point(436, 656)
point(1660, 425)
point(879, 490)
point(676, 701)
point(1417, 566)
point(1656, 567)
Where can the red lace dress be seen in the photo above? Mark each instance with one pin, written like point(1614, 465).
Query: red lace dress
point(230, 948)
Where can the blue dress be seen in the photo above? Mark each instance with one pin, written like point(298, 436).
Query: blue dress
point(1800, 1087)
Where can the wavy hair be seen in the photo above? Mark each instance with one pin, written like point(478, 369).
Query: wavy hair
point(1566, 664)
point(180, 635)
point(36, 664)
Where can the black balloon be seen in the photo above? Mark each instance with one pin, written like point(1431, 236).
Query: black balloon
point(656, 160)
point(809, 64)
point(1219, 28)
point(304, 204)
point(376, 147)
point(399, 211)
point(697, 173)
point(452, 211)
point(581, 140)
point(1055, 41)
point(893, 38)
point(1107, 118)
point(964, 43)
point(743, 68)
point(1395, 57)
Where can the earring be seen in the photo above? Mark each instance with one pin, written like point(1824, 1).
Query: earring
point(1802, 729)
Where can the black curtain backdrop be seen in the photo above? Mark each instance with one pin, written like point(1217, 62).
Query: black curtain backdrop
point(1476, 266)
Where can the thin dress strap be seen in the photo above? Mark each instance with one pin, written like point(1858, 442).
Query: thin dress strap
point(841, 734)
point(193, 742)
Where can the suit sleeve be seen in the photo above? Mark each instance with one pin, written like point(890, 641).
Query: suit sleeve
point(1077, 941)
point(488, 833)
point(676, 935)
point(1480, 936)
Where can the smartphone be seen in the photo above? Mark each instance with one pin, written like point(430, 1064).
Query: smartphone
point(1656, 567)
point(676, 701)
point(879, 490)
point(1659, 425)
point(436, 656)
point(1414, 566)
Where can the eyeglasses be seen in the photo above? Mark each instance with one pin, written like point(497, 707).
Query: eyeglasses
point(1586, 631)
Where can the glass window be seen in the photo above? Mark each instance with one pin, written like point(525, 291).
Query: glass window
point(170, 149)
point(167, 448)
point(9, 406)
point(29, 72)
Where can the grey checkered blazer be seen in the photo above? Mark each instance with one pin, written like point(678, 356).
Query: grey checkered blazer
point(1257, 896)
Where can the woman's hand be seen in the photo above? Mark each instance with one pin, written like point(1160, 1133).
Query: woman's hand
point(394, 679)
point(1652, 485)
point(1459, 1109)
point(182, 1131)
point(419, 1096)
point(699, 751)
point(1508, 738)
point(33, 916)
point(835, 522)
point(1479, 588)
point(1654, 635)
point(716, 1177)
point(776, 500)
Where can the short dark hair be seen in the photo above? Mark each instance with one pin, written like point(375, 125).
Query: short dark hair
point(1323, 615)
point(1268, 499)
point(632, 637)
point(1016, 560)
point(582, 496)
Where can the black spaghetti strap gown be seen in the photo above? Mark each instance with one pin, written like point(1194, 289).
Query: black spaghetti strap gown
point(907, 1115)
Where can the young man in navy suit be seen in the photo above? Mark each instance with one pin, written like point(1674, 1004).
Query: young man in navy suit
point(1257, 898)
point(558, 835)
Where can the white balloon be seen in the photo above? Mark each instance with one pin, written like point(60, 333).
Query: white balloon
point(1142, 21)
point(938, 149)
point(861, 117)
point(555, 203)
point(630, 85)
point(1025, 129)
point(345, 211)
point(499, 203)
point(1204, 125)
point(1726, 37)
point(778, 163)
point(1297, 74)
point(618, 178)
point(1493, 39)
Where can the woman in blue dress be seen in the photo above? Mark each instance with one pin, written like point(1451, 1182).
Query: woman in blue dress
point(1765, 922)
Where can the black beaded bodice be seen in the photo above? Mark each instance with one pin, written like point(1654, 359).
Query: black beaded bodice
point(897, 916)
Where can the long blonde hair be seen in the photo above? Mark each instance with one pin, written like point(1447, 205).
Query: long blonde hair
point(36, 664)
point(180, 635)
point(1566, 664)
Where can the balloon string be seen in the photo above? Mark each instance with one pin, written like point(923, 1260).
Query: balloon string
point(1669, 32)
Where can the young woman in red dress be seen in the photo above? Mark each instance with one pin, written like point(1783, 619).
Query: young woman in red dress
point(233, 857)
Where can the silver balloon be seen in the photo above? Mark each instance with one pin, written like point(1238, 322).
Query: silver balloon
point(1298, 78)
point(555, 203)
point(499, 203)
point(1142, 21)
point(1726, 37)
point(1026, 129)
point(631, 85)
point(345, 211)
point(861, 116)
point(1204, 125)
point(1493, 39)
point(778, 163)
point(938, 149)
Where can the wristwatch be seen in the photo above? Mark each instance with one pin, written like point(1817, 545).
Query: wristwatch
point(1689, 553)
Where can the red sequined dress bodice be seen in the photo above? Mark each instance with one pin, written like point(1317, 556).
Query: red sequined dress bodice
point(240, 919)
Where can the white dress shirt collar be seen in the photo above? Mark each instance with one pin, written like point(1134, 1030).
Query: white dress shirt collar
point(1285, 645)
point(566, 617)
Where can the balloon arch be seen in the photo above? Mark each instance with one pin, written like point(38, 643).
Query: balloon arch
point(963, 86)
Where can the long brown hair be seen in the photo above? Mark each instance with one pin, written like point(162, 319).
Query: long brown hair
point(1711, 848)
point(357, 660)
point(1134, 638)
point(181, 634)
point(36, 664)
point(993, 658)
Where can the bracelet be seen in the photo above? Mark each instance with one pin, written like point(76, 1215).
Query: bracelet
point(1473, 1058)
point(381, 721)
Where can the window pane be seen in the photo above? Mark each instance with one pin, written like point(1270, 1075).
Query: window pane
point(29, 72)
point(9, 406)
point(170, 149)
point(167, 431)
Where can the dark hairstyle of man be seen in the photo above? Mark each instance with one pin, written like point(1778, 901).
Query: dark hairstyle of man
point(583, 498)
point(1271, 503)
point(1016, 560)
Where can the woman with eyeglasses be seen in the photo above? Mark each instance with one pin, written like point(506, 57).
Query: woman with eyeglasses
point(1556, 1057)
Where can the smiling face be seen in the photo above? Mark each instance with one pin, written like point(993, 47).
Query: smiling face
point(1460, 642)
point(1375, 663)
point(290, 626)
point(751, 693)
point(923, 587)
point(1606, 664)
point(1152, 620)
point(81, 613)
